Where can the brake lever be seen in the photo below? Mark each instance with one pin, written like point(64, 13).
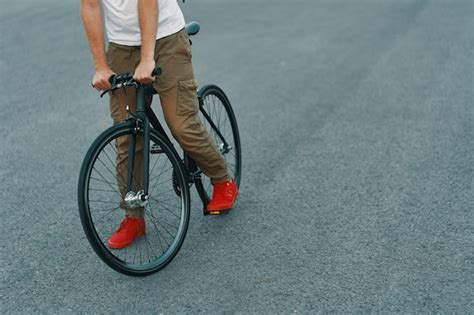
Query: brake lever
point(115, 86)
point(105, 92)
point(112, 81)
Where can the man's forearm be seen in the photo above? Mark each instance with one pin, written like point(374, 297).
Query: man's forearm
point(148, 16)
point(91, 14)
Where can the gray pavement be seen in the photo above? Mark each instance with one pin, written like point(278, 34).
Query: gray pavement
point(357, 195)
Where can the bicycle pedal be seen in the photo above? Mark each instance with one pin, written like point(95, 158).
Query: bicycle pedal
point(219, 212)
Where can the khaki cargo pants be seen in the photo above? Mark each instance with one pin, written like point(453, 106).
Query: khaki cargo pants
point(177, 90)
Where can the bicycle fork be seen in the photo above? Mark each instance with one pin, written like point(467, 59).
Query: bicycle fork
point(139, 198)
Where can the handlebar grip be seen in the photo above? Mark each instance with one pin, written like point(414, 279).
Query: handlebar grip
point(111, 79)
point(156, 72)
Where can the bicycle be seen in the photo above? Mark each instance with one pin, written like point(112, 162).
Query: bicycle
point(164, 192)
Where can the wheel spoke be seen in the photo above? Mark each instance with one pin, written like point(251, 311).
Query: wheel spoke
point(154, 222)
point(216, 109)
point(107, 182)
point(157, 177)
point(166, 208)
point(166, 214)
point(156, 228)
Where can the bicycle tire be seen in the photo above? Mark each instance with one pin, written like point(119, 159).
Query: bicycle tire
point(98, 243)
point(218, 107)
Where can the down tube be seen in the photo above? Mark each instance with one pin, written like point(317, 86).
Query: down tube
point(213, 126)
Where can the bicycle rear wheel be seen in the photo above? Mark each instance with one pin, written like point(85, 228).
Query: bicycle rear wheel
point(100, 194)
point(217, 108)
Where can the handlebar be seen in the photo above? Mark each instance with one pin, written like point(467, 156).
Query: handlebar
point(125, 79)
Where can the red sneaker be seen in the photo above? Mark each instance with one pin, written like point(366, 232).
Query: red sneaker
point(129, 230)
point(223, 197)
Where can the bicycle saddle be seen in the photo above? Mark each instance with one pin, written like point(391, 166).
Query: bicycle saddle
point(192, 28)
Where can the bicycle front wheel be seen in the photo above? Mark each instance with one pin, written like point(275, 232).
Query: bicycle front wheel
point(101, 190)
point(218, 117)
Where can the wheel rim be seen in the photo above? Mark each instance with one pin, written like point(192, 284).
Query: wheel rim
point(165, 213)
point(217, 111)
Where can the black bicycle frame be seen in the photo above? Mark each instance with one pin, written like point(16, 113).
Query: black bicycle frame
point(141, 122)
point(145, 116)
point(213, 126)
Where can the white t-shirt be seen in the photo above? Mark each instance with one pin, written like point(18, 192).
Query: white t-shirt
point(122, 25)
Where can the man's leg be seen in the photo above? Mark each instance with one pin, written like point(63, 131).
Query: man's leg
point(178, 96)
point(125, 59)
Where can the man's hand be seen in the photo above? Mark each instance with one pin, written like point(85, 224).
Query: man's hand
point(148, 18)
point(144, 70)
point(100, 81)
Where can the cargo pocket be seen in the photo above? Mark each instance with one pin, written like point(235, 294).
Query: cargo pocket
point(187, 98)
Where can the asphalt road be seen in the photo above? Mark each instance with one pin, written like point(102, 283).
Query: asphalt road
point(357, 125)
